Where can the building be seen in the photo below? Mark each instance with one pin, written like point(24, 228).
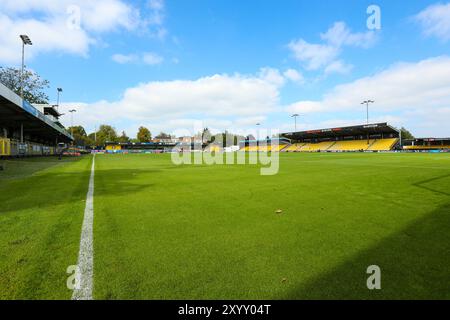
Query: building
point(364, 138)
point(144, 147)
point(26, 130)
point(427, 144)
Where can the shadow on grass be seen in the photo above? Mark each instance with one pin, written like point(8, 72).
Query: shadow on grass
point(422, 184)
point(20, 168)
point(414, 265)
point(44, 190)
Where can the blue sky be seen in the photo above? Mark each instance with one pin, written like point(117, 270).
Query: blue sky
point(230, 64)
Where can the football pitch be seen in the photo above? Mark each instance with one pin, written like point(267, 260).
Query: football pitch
point(163, 231)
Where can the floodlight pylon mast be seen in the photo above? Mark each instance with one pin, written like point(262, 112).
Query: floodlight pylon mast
point(367, 102)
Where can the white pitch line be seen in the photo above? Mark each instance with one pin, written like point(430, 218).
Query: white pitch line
point(85, 270)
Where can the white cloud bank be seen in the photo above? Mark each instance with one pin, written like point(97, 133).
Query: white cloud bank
point(418, 92)
point(225, 101)
point(69, 26)
point(435, 21)
point(414, 95)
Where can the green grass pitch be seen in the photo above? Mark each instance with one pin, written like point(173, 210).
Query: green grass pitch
point(212, 232)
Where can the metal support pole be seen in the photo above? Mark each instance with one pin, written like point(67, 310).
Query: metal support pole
point(367, 104)
point(22, 79)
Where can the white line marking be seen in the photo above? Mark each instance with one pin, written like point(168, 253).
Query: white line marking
point(85, 272)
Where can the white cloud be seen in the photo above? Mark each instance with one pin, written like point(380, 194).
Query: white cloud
point(294, 76)
point(152, 58)
point(435, 21)
point(340, 35)
point(314, 56)
point(417, 91)
point(325, 55)
point(272, 76)
point(68, 26)
point(149, 58)
point(156, 4)
point(46, 36)
point(124, 58)
point(229, 100)
point(338, 66)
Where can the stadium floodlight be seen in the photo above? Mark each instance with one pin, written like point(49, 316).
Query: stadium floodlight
point(25, 41)
point(59, 90)
point(71, 120)
point(295, 116)
point(367, 102)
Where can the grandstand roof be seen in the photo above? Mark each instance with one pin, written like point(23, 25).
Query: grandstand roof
point(429, 140)
point(15, 111)
point(376, 128)
point(268, 140)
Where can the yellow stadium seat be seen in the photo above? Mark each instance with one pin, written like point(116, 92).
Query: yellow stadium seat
point(315, 147)
point(383, 144)
point(354, 145)
point(291, 148)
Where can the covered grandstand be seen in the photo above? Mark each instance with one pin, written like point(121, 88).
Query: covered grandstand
point(427, 144)
point(363, 138)
point(265, 145)
point(27, 131)
point(140, 147)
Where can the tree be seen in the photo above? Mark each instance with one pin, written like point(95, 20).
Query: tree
point(144, 135)
point(80, 136)
point(207, 137)
point(105, 134)
point(163, 135)
point(406, 135)
point(228, 139)
point(124, 138)
point(91, 139)
point(33, 84)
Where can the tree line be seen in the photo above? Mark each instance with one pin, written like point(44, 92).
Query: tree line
point(107, 133)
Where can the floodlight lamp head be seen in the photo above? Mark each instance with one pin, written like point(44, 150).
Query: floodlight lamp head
point(26, 39)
